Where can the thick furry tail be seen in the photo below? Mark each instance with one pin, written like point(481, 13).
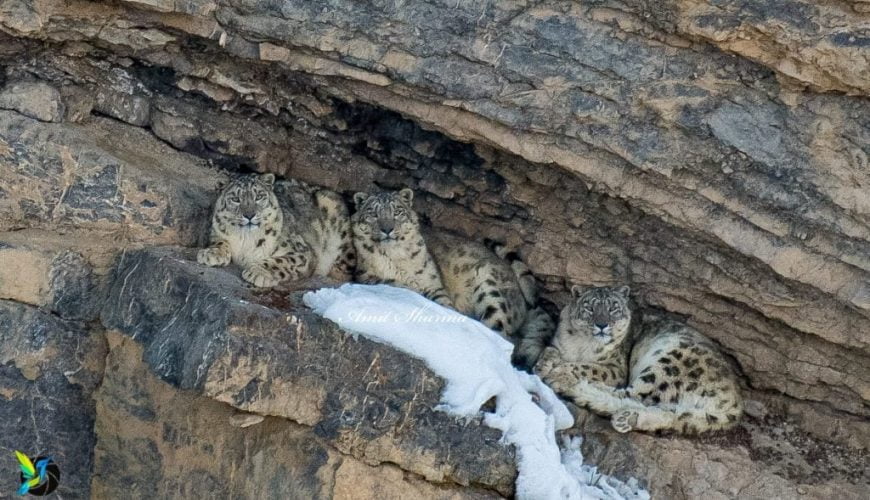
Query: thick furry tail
point(600, 399)
point(525, 278)
point(628, 413)
point(535, 334)
point(654, 418)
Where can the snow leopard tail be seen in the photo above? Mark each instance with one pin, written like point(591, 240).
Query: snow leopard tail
point(628, 413)
point(535, 334)
point(525, 278)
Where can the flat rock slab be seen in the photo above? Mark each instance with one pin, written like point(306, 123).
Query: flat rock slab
point(203, 330)
point(34, 99)
point(49, 273)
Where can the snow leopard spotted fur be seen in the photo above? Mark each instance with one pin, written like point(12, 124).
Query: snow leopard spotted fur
point(390, 247)
point(677, 378)
point(537, 330)
point(279, 231)
point(452, 271)
point(480, 284)
point(590, 340)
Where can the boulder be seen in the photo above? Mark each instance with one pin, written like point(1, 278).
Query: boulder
point(156, 441)
point(34, 99)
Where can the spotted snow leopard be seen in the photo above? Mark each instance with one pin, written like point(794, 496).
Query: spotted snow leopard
point(538, 328)
point(590, 340)
point(677, 378)
point(279, 231)
point(390, 247)
point(450, 270)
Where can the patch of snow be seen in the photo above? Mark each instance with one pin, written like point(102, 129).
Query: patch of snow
point(572, 459)
point(475, 363)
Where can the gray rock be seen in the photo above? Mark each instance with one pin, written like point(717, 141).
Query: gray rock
point(34, 99)
point(277, 458)
point(201, 330)
point(49, 369)
point(99, 179)
point(49, 271)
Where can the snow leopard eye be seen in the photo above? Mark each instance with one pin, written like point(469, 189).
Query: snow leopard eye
point(261, 196)
point(234, 199)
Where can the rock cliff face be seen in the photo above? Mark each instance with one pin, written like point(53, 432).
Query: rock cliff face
point(712, 154)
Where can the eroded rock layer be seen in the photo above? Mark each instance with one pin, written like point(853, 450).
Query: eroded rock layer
point(713, 155)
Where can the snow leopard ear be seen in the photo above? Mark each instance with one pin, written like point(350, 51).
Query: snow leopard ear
point(359, 198)
point(268, 179)
point(407, 195)
point(577, 290)
point(623, 290)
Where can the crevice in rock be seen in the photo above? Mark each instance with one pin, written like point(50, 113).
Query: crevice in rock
point(670, 146)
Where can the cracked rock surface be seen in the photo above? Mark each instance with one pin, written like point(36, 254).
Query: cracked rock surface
point(711, 154)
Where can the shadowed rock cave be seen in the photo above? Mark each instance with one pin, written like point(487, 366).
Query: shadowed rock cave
point(609, 143)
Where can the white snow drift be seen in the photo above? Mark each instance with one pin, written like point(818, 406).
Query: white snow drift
point(475, 363)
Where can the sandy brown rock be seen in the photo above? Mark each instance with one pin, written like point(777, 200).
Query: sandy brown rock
point(100, 179)
point(711, 154)
point(761, 458)
point(52, 272)
point(154, 441)
point(823, 45)
point(49, 369)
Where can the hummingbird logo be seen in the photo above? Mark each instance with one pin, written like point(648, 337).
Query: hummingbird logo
point(38, 477)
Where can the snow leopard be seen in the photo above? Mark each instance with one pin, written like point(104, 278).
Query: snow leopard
point(538, 328)
point(534, 335)
point(480, 284)
point(390, 246)
point(679, 380)
point(464, 275)
point(590, 341)
point(279, 231)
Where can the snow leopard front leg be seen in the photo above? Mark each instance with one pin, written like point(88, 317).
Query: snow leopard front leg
point(566, 378)
point(293, 260)
point(216, 255)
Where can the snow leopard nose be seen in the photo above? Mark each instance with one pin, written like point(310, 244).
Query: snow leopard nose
point(387, 228)
point(249, 214)
point(600, 326)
